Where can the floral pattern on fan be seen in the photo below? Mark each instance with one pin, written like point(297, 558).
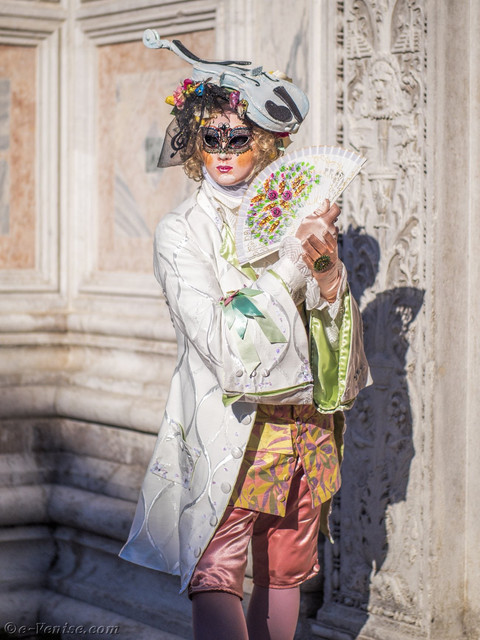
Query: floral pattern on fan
point(286, 191)
point(283, 193)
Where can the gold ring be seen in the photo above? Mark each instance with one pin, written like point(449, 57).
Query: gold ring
point(322, 262)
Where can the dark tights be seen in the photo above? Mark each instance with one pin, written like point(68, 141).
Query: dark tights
point(272, 615)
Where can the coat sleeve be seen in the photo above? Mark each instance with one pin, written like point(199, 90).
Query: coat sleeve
point(253, 340)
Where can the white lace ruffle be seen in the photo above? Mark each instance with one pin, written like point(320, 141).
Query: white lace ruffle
point(291, 248)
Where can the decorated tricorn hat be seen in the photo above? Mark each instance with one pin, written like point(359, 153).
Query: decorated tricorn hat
point(272, 102)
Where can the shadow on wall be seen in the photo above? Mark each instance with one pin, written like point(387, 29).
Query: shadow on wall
point(378, 444)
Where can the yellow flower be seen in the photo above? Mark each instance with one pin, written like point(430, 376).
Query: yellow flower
point(170, 100)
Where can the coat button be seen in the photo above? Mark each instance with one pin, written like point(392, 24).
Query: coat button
point(281, 498)
point(197, 552)
point(213, 521)
point(236, 452)
point(265, 373)
point(246, 418)
point(253, 374)
point(239, 373)
point(226, 487)
point(316, 568)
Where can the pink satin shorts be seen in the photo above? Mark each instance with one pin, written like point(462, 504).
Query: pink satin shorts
point(284, 548)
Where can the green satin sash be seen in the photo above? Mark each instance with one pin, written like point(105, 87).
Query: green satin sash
point(230, 399)
point(329, 366)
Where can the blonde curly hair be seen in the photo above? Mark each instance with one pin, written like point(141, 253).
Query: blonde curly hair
point(265, 150)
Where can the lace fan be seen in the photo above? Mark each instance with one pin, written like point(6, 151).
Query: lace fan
point(286, 191)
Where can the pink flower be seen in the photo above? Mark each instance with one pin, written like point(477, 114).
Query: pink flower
point(179, 97)
point(287, 195)
point(276, 212)
point(272, 194)
point(234, 99)
point(186, 83)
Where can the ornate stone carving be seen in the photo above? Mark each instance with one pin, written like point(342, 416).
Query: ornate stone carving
point(381, 112)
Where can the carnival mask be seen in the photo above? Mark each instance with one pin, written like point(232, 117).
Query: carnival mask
point(223, 139)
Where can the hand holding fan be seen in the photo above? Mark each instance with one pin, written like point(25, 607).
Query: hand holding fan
point(286, 191)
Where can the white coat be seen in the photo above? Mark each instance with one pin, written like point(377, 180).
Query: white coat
point(202, 439)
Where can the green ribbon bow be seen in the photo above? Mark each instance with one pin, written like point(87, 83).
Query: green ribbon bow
point(239, 309)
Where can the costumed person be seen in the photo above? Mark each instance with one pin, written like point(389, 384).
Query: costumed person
point(268, 358)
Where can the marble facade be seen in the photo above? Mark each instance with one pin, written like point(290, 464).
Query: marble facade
point(17, 157)
point(86, 345)
point(133, 194)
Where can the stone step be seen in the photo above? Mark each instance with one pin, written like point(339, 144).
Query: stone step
point(50, 614)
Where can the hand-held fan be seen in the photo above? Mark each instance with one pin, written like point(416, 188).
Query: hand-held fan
point(286, 191)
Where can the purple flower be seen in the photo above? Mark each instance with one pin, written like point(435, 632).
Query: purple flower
point(287, 195)
point(272, 194)
point(276, 212)
point(234, 99)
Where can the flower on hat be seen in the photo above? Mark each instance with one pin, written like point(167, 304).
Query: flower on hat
point(242, 108)
point(184, 89)
point(179, 97)
point(234, 99)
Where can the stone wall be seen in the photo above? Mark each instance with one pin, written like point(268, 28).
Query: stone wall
point(86, 346)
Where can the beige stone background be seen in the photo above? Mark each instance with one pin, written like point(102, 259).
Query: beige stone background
point(86, 345)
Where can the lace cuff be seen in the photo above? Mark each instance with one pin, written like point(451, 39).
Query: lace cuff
point(292, 277)
point(291, 252)
point(291, 248)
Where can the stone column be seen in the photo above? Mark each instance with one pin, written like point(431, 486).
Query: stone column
point(405, 562)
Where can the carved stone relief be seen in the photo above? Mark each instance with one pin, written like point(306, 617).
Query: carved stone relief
point(381, 99)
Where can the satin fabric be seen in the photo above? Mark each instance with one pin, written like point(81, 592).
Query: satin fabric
point(284, 549)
